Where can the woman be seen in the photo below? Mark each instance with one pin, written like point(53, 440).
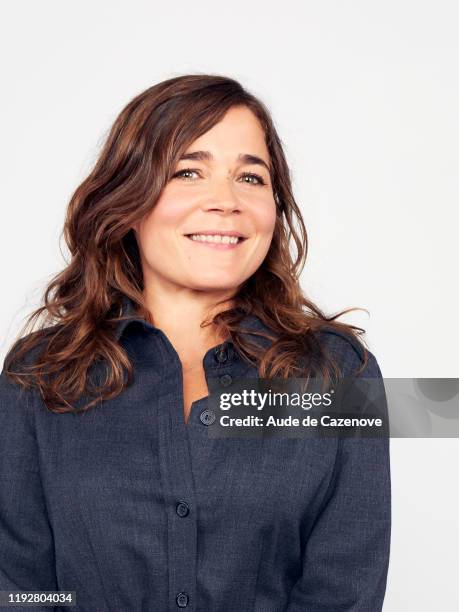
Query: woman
point(180, 281)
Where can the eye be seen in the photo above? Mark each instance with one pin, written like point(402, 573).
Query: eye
point(259, 180)
point(255, 176)
point(180, 173)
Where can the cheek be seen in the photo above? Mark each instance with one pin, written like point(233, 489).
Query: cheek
point(168, 212)
point(165, 218)
point(266, 221)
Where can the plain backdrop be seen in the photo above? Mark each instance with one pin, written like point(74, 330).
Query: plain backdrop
point(365, 96)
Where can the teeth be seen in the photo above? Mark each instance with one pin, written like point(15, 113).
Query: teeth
point(218, 239)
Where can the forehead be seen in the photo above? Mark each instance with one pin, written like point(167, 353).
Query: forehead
point(238, 131)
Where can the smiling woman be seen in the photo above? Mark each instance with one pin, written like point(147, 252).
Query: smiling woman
point(181, 280)
point(217, 200)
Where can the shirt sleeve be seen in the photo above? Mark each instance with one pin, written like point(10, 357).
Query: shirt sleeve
point(27, 560)
point(346, 554)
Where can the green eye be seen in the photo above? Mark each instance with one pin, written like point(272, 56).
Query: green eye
point(255, 176)
point(181, 172)
point(258, 179)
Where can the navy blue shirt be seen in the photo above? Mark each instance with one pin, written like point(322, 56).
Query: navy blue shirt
point(137, 511)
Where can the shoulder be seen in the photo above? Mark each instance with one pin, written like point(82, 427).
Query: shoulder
point(348, 352)
point(13, 394)
point(16, 407)
point(36, 340)
point(342, 346)
point(17, 422)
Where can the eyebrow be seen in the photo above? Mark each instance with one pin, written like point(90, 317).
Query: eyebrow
point(245, 158)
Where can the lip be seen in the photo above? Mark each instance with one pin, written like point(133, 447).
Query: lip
point(216, 232)
point(215, 245)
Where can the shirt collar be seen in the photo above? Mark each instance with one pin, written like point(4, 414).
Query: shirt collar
point(129, 314)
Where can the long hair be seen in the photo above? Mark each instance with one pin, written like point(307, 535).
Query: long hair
point(82, 304)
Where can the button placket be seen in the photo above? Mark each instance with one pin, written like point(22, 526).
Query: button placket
point(177, 483)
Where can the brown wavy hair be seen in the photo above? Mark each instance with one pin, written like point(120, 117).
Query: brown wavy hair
point(82, 304)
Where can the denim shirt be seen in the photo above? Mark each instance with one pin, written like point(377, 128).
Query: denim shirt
point(138, 511)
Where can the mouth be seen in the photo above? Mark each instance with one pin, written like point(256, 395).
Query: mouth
point(217, 240)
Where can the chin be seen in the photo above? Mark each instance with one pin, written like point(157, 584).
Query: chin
point(215, 284)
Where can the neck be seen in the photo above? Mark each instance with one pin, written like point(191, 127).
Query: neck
point(179, 314)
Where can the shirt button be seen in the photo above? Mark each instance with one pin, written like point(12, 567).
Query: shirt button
point(182, 600)
point(226, 380)
point(182, 508)
point(207, 417)
point(221, 355)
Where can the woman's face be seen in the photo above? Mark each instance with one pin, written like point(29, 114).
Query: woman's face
point(213, 192)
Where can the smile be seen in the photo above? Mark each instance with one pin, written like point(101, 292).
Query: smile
point(216, 241)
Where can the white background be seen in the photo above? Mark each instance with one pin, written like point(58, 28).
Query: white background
point(365, 96)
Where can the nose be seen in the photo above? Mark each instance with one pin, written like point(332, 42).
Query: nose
point(222, 196)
